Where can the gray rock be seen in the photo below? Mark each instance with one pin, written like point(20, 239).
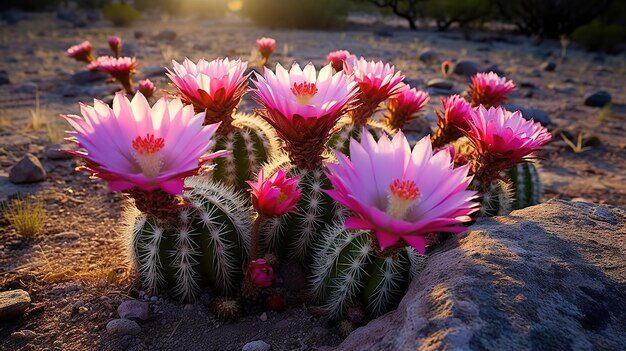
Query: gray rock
point(166, 35)
point(466, 68)
point(154, 71)
point(26, 88)
point(131, 309)
point(495, 69)
point(123, 327)
point(599, 99)
point(139, 34)
point(537, 115)
point(256, 345)
point(87, 76)
point(57, 152)
point(428, 56)
point(548, 66)
point(13, 303)
point(439, 83)
point(27, 170)
point(548, 277)
point(24, 334)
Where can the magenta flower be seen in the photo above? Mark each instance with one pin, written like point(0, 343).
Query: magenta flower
point(502, 137)
point(399, 194)
point(489, 89)
point(304, 107)
point(452, 120)
point(446, 68)
point(215, 87)
point(81, 52)
point(403, 107)
point(377, 82)
point(276, 195)
point(147, 88)
point(260, 273)
point(135, 146)
point(266, 48)
point(337, 59)
point(121, 68)
point(115, 43)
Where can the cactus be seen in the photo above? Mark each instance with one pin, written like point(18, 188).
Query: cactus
point(252, 142)
point(525, 185)
point(348, 271)
point(207, 245)
point(340, 140)
point(497, 201)
point(293, 235)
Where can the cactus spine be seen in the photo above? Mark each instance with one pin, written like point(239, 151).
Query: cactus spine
point(497, 201)
point(206, 246)
point(348, 271)
point(525, 185)
point(252, 142)
point(341, 139)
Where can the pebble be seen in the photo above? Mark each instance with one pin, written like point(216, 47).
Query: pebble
point(466, 68)
point(428, 56)
point(256, 345)
point(123, 327)
point(13, 303)
point(131, 309)
point(24, 334)
point(70, 235)
point(548, 66)
point(27, 170)
point(57, 152)
point(439, 83)
point(263, 317)
point(598, 99)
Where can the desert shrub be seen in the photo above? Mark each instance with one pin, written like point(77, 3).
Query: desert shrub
point(410, 10)
point(599, 36)
point(120, 14)
point(304, 14)
point(29, 5)
point(26, 215)
point(198, 8)
point(462, 12)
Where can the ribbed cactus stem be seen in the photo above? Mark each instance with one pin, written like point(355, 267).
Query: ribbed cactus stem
point(340, 140)
point(525, 185)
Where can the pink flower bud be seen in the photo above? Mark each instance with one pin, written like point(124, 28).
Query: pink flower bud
point(147, 88)
point(260, 273)
point(115, 43)
point(276, 195)
point(266, 46)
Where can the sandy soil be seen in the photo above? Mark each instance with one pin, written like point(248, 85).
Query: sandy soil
point(77, 280)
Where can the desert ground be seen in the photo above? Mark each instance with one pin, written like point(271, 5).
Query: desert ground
point(76, 271)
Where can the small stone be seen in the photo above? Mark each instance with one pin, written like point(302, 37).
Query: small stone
point(428, 56)
point(57, 152)
point(13, 303)
point(537, 115)
point(130, 309)
point(70, 235)
point(24, 334)
point(439, 83)
point(87, 76)
point(256, 345)
point(139, 34)
point(27, 170)
point(166, 35)
point(123, 327)
point(263, 317)
point(154, 298)
point(599, 99)
point(466, 68)
point(82, 310)
point(548, 66)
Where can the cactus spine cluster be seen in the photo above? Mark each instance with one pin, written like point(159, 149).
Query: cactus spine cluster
point(252, 142)
point(525, 185)
point(341, 139)
point(207, 245)
point(348, 271)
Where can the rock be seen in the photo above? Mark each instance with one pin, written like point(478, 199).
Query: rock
point(256, 345)
point(123, 327)
point(439, 83)
point(166, 35)
point(139, 34)
point(466, 68)
point(548, 66)
point(537, 115)
point(57, 152)
point(154, 71)
point(87, 76)
point(263, 317)
point(26, 88)
point(4, 78)
point(548, 277)
point(70, 235)
point(428, 56)
point(24, 334)
point(599, 99)
point(27, 170)
point(495, 69)
point(13, 303)
point(130, 309)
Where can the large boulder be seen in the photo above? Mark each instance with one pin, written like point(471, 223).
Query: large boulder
point(548, 277)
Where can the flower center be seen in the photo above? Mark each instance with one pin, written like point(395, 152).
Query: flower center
point(304, 92)
point(146, 153)
point(402, 195)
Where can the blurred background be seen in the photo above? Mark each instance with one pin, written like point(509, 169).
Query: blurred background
point(597, 25)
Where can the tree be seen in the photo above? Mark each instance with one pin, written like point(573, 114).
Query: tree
point(407, 9)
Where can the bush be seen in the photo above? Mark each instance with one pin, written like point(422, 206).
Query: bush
point(462, 12)
point(120, 14)
point(305, 14)
point(29, 5)
point(198, 8)
point(599, 36)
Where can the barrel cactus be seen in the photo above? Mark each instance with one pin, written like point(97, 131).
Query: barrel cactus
point(340, 140)
point(251, 141)
point(205, 243)
point(497, 201)
point(525, 185)
point(347, 270)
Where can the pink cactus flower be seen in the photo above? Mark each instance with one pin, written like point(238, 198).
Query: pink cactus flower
point(115, 43)
point(304, 107)
point(403, 107)
point(452, 120)
point(377, 82)
point(446, 67)
point(503, 137)
point(401, 195)
point(81, 52)
point(266, 48)
point(135, 146)
point(261, 273)
point(276, 195)
point(215, 87)
point(121, 68)
point(489, 89)
point(337, 58)
point(147, 88)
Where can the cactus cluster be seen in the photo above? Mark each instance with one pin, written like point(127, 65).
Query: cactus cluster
point(207, 245)
point(340, 140)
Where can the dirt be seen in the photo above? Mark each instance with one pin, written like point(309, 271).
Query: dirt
point(64, 272)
